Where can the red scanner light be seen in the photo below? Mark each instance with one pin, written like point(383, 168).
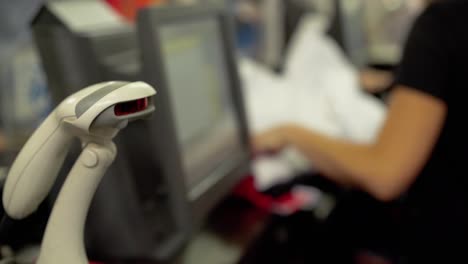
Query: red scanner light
point(131, 107)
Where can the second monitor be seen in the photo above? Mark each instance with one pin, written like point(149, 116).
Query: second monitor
point(187, 53)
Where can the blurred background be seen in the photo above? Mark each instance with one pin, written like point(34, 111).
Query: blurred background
point(327, 64)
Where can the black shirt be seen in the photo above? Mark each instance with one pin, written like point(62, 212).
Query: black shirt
point(435, 62)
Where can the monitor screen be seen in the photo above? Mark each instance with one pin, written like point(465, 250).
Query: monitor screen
point(198, 82)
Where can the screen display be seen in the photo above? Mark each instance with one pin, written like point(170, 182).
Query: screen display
point(196, 70)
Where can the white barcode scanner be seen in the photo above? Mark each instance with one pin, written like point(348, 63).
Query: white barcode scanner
point(94, 115)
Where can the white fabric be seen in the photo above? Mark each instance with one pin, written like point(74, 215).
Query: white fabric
point(318, 90)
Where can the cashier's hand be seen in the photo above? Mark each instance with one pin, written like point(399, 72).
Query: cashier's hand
point(271, 141)
point(375, 81)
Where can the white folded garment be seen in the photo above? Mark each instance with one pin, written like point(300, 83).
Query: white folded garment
point(319, 90)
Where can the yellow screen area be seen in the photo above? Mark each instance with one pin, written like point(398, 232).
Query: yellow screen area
point(196, 73)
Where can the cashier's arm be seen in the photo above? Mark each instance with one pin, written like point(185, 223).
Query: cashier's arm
point(385, 168)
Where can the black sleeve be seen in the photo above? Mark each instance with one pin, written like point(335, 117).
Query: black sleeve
point(424, 65)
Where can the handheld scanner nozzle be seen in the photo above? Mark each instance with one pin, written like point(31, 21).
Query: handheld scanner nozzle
point(108, 123)
point(96, 113)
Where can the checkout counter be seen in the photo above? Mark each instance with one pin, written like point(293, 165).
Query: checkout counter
point(211, 223)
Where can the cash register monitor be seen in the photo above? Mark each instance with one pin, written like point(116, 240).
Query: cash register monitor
point(187, 53)
point(196, 78)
